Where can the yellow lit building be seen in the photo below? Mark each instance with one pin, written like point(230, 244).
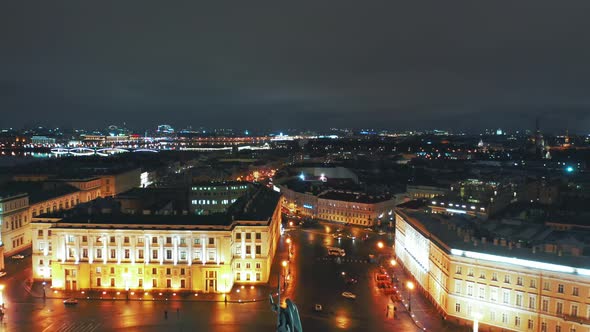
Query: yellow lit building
point(180, 252)
point(494, 283)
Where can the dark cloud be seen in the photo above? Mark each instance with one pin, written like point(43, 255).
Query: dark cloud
point(315, 64)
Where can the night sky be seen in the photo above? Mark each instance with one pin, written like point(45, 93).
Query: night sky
point(279, 64)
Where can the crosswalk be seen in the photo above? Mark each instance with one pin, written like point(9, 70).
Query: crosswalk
point(88, 326)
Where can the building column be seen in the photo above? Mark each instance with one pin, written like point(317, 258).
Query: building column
point(119, 249)
point(46, 249)
point(189, 255)
point(90, 249)
point(133, 249)
point(105, 254)
point(65, 248)
point(217, 253)
point(204, 249)
point(175, 250)
point(243, 237)
point(161, 242)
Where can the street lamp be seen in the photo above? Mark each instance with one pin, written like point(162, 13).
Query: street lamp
point(126, 279)
point(2, 296)
point(380, 245)
point(393, 262)
point(284, 264)
point(410, 286)
point(44, 289)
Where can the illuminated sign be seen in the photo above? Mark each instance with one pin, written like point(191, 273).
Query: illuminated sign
point(455, 211)
point(275, 188)
point(307, 206)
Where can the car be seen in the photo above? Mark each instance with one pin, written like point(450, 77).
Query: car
point(71, 301)
point(18, 257)
point(349, 295)
point(350, 236)
point(2, 274)
point(368, 229)
point(318, 307)
point(351, 280)
point(381, 233)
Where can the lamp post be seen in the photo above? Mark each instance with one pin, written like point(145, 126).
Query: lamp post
point(44, 289)
point(410, 286)
point(284, 264)
point(126, 279)
point(2, 296)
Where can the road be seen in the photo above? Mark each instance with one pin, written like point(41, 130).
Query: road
point(314, 279)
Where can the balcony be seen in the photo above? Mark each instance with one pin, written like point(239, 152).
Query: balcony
point(577, 319)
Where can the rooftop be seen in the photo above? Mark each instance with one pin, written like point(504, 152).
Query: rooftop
point(37, 191)
point(461, 233)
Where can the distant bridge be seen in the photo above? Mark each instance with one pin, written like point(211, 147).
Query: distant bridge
point(104, 152)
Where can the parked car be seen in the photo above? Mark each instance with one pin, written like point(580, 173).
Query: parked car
point(71, 301)
point(18, 257)
point(349, 295)
point(318, 307)
point(2, 274)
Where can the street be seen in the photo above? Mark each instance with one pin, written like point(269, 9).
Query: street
point(314, 279)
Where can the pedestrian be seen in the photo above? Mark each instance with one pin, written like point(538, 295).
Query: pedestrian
point(165, 314)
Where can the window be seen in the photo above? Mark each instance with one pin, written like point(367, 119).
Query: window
point(154, 240)
point(112, 270)
point(247, 276)
point(154, 254)
point(140, 283)
point(494, 276)
point(532, 302)
point(560, 288)
point(98, 282)
point(40, 232)
point(518, 299)
point(248, 250)
point(482, 292)
point(112, 282)
point(98, 253)
point(258, 236)
point(258, 250)
point(248, 266)
point(530, 325)
point(140, 253)
point(112, 239)
point(257, 276)
point(197, 241)
point(557, 328)
point(238, 276)
point(168, 254)
point(98, 269)
point(140, 271)
point(182, 283)
point(470, 272)
point(154, 271)
point(507, 279)
point(238, 236)
point(493, 316)
point(482, 275)
point(211, 255)
point(113, 254)
point(519, 281)
point(506, 296)
point(545, 305)
point(211, 241)
point(183, 255)
point(126, 253)
point(494, 294)
point(457, 307)
point(469, 289)
point(85, 253)
point(533, 283)
point(516, 321)
point(139, 240)
point(238, 265)
point(458, 270)
point(504, 318)
point(575, 291)
point(248, 236)
point(168, 271)
point(258, 266)
point(182, 271)
point(182, 241)
point(574, 310)
point(546, 285)
point(154, 283)
point(543, 327)
point(168, 240)
point(559, 308)
point(84, 238)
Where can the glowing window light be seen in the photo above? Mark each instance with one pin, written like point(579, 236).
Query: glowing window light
point(519, 262)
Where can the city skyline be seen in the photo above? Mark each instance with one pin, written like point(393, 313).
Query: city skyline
point(393, 66)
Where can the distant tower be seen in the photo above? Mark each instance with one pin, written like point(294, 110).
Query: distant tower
point(539, 141)
point(566, 141)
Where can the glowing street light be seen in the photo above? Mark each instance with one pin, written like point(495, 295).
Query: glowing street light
point(2, 295)
point(288, 240)
point(476, 317)
point(410, 286)
point(393, 262)
point(380, 245)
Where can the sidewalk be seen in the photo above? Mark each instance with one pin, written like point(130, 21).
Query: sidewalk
point(238, 294)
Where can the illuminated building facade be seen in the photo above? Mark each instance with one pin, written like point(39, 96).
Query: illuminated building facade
point(494, 283)
point(117, 182)
point(178, 253)
point(215, 197)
